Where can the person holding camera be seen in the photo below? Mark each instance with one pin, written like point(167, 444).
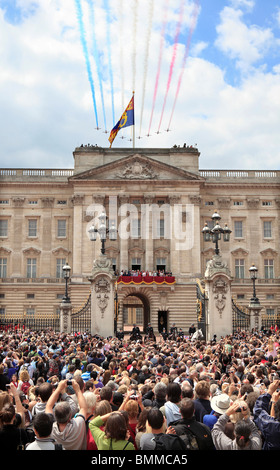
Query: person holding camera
point(267, 416)
point(13, 433)
point(67, 430)
point(246, 433)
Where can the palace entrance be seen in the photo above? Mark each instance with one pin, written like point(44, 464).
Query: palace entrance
point(136, 310)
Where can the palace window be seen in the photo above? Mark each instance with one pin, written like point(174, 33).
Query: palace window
point(3, 267)
point(161, 264)
point(60, 262)
point(61, 228)
point(269, 268)
point(238, 228)
point(135, 228)
point(32, 228)
point(239, 268)
point(267, 229)
point(136, 264)
point(3, 228)
point(238, 203)
point(31, 268)
point(160, 228)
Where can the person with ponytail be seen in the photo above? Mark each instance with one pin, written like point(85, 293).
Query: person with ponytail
point(246, 434)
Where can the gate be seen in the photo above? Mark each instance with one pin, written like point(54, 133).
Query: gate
point(81, 320)
point(240, 319)
point(31, 322)
point(201, 308)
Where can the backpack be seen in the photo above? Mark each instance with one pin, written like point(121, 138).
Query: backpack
point(25, 387)
point(169, 442)
point(190, 440)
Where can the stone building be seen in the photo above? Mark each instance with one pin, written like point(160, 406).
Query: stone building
point(159, 201)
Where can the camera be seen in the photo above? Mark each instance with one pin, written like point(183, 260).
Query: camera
point(69, 382)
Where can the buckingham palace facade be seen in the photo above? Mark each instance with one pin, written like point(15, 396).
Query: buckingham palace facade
point(158, 200)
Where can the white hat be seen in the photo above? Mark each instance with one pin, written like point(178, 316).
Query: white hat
point(220, 403)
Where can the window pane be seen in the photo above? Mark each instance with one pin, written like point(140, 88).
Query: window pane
point(61, 228)
point(238, 229)
point(60, 262)
point(3, 228)
point(269, 268)
point(139, 315)
point(160, 228)
point(135, 228)
point(267, 229)
point(3, 267)
point(31, 267)
point(239, 268)
point(32, 228)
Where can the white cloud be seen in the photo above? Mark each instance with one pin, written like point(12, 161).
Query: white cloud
point(245, 44)
point(248, 4)
point(48, 109)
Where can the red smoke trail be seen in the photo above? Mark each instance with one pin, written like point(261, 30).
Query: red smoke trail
point(193, 24)
point(159, 62)
point(173, 59)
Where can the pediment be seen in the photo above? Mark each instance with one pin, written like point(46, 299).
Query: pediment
point(136, 167)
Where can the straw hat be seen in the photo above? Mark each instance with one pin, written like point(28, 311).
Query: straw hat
point(220, 403)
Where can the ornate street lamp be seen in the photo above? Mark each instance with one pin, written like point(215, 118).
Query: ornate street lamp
point(102, 230)
point(66, 269)
point(253, 274)
point(254, 306)
point(215, 234)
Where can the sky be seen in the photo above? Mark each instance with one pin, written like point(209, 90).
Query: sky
point(204, 73)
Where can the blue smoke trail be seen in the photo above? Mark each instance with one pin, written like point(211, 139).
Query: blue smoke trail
point(85, 49)
point(106, 5)
point(96, 57)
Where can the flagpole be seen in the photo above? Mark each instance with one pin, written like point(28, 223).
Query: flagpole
point(133, 123)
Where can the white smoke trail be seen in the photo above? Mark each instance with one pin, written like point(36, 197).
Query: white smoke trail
point(121, 50)
point(134, 42)
point(146, 58)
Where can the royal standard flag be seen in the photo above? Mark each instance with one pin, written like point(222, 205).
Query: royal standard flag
point(127, 119)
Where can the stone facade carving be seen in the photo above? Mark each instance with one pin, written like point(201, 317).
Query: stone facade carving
point(103, 264)
point(77, 199)
point(195, 199)
point(174, 199)
point(216, 264)
point(18, 201)
point(224, 202)
point(102, 288)
point(220, 288)
point(253, 203)
point(137, 170)
point(47, 201)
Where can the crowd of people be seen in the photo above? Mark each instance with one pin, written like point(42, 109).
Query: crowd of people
point(138, 272)
point(79, 391)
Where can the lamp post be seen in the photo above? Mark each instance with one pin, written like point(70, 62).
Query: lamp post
point(66, 269)
point(102, 230)
point(254, 306)
point(215, 234)
point(253, 274)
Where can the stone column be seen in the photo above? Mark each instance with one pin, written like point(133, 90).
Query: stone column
point(194, 226)
point(77, 201)
point(17, 235)
point(255, 321)
point(146, 218)
point(218, 290)
point(102, 297)
point(65, 317)
point(47, 231)
point(174, 242)
point(123, 240)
